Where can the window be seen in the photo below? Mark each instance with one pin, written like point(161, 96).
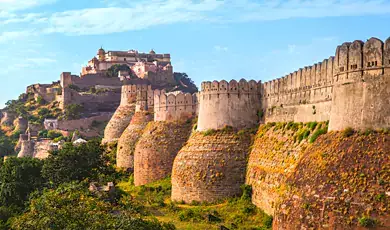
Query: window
point(124, 59)
point(369, 64)
point(342, 69)
point(354, 66)
point(376, 63)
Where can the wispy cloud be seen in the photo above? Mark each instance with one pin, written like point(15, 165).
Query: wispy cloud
point(14, 5)
point(122, 15)
point(12, 36)
point(221, 48)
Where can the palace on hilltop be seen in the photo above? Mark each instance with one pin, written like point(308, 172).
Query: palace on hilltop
point(154, 67)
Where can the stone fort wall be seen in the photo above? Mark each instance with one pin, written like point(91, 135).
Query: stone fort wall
point(173, 107)
point(348, 89)
point(231, 103)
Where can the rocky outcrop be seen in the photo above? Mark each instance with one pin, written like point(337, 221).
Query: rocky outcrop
point(7, 119)
point(157, 149)
point(211, 166)
point(129, 138)
point(21, 124)
point(118, 123)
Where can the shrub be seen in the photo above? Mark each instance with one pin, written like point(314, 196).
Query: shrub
point(267, 222)
point(40, 100)
point(367, 222)
point(316, 134)
point(348, 132)
point(52, 134)
point(246, 192)
point(73, 111)
point(43, 133)
point(312, 125)
point(18, 178)
point(209, 132)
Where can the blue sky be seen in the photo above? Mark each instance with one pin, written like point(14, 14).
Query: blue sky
point(208, 39)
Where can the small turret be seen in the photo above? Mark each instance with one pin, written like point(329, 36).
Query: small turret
point(101, 53)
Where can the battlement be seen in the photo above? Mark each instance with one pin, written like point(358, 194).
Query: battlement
point(130, 92)
point(232, 86)
point(174, 106)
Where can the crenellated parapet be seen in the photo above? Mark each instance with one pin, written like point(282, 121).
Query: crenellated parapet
point(231, 103)
point(174, 106)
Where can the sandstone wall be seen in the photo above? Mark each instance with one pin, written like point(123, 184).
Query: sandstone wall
point(157, 148)
point(129, 138)
point(102, 102)
point(122, 116)
point(210, 167)
point(85, 123)
point(357, 74)
point(171, 107)
point(234, 104)
point(338, 181)
point(26, 146)
point(88, 81)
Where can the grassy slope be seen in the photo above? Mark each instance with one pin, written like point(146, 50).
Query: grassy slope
point(235, 211)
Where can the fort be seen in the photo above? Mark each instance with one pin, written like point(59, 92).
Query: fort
point(210, 157)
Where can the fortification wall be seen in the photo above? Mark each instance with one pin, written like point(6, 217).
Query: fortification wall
point(80, 124)
point(357, 74)
point(157, 148)
point(231, 103)
point(103, 102)
point(361, 97)
point(129, 138)
point(122, 116)
point(87, 81)
point(210, 167)
point(26, 146)
point(171, 107)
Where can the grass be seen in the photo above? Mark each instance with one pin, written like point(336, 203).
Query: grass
point(233, 213)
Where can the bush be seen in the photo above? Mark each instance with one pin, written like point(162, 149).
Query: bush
point(18, 178)
point(53, 134)
point(43, 133)
point(316, 134)
point(74, 163)
point(246, 192)
point(73, 111)
point(312, 125)
point(348, 132)
point(209, 132)
point(367, 222)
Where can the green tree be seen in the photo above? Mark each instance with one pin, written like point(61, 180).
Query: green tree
point(72, 206)
point(73, 111)
point(114, 70)
point(6, 145)
point(18, 178)
point(74, 163)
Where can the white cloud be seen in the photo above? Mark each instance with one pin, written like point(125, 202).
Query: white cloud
point(221, 48)
point(11, 36)
point(122, 15)
point(14, 5)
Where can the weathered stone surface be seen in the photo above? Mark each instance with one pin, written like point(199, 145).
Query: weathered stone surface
point(118, 123)
point(157, 149)
point(127, 141)
point(210, 167)
point(8, 118)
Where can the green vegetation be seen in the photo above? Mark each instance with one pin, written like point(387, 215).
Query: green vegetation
point(114, 70)
point(348, 132)
point(18, 178)
point(233, 213)
point(73, 111)
point(367, 222)
point(316, 134)
point(6, 145)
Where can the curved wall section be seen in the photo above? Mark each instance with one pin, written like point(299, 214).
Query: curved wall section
point(234, 104)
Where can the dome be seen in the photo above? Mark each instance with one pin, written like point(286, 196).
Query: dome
point(152, 52)
point(101, 51)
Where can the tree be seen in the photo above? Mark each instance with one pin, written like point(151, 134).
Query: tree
point(114, 70)
point(72, 206)
point(73, 111)
point(18, 178)
point(74, 163)
point(6, 145)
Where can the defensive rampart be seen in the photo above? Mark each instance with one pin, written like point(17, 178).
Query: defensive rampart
point(132, 97)
point(231, 103)
point(173, 107)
